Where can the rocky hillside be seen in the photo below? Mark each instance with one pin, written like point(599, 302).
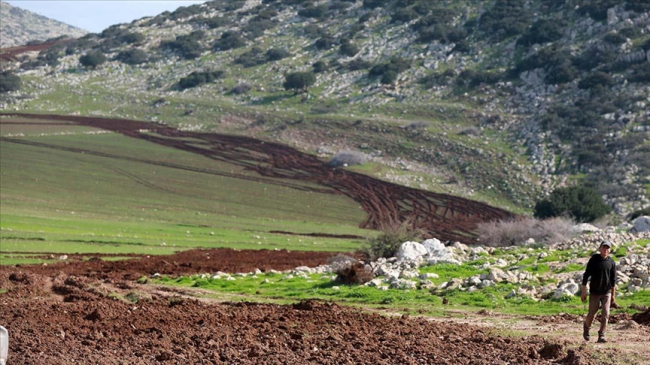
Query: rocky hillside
point(18, 26)
point(500, 101)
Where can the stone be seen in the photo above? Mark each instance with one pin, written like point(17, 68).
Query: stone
point(411, 251)
point(641, 224)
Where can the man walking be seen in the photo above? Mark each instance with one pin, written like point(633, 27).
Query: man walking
point(602, 289)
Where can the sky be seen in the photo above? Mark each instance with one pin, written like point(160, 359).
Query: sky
point(97, 15)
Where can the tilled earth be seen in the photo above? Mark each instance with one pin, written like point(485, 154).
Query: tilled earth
point(67, 313)
point(445, 217)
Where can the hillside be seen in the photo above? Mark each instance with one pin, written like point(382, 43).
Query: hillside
point(18, 27)
point(498, 101)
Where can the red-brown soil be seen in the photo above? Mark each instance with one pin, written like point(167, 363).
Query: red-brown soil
point(442, 216)
point(62, 314)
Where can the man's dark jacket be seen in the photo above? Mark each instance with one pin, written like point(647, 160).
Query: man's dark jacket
point(603, 274)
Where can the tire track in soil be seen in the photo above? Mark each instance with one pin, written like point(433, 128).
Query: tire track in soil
point(385, 203)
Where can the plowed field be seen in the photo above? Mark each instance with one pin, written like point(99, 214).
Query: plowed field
point(67, 313)
point(445, 217)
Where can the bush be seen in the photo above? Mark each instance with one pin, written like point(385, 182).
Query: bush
point(542, 31)
point(92, 59)
point(584, 204)
point(350, 270)
point(372, 4)
point(358, 64)
point(197, 78)
point(640, 73)
point(252, 58)
point(518, 231)
point(389, 77)
point(299, 81)
point(214, 22)
point(186, 45)
point(314, 31)
point(593, 58)
point(317, 12)
point(242, 88)
point(348, 49)
point(9, 82)
point(132, 56)
point(396, 64)
point(255, 28)
point(595, 79)
point(348, 158)
point(614, 38)
point(276, 54)
point(325, 43)
point(130, 38)
point(387, 243)
point(505, 18)
point(320, 66)
point(228, 40)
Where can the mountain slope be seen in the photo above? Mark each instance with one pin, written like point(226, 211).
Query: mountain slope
point(500, 101)
point(18, 26)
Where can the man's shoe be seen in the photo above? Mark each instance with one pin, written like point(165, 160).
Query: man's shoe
point(585, 332)
point(601, 338)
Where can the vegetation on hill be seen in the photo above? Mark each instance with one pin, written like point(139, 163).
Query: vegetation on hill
point(502, 101)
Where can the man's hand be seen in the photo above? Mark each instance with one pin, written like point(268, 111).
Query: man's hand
point(583, 296)
point(613, 304)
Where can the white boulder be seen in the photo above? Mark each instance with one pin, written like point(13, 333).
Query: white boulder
point(411, 251)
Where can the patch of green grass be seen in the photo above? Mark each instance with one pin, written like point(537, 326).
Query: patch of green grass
point(571, 268)
point(2, 291)
point(123, 195)
point(643, 242)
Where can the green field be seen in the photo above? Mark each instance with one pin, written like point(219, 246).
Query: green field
point(69, 189)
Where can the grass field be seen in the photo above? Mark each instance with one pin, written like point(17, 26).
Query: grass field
point(77, 189)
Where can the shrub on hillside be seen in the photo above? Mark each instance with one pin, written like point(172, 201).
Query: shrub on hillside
point(596, 79)
point(92, 59)
point(9, 82)
point(582, 203)
point(614, 38)
point(320, 66)
point(317, 12)
point(299, 81)
point(348, 49)
point(252, 58)
point(228, 40)
point(348, 158)
point(276, 54)
point(542, 31)
point(358, 64)
point(518, 231)
point(396, 64)
point(314, 31)
point(326, 42)
point(639, 73)
point(242, 88)
point(187, 46)
point(132, 56)
point(197, 78)
point(388, 242)
point(131, 38)
point(256, 27)
point(372, 4)
point(505, 18)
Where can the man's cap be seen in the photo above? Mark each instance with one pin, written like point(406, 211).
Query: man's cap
point(606, 243)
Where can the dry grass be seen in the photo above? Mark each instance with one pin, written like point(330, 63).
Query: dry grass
point(517, 232)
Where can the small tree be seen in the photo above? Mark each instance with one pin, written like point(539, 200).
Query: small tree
point(391, 238)
point(582, 203)
point(132, 56)
point(9, 82)
point(299, 81)
point(92, 59)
